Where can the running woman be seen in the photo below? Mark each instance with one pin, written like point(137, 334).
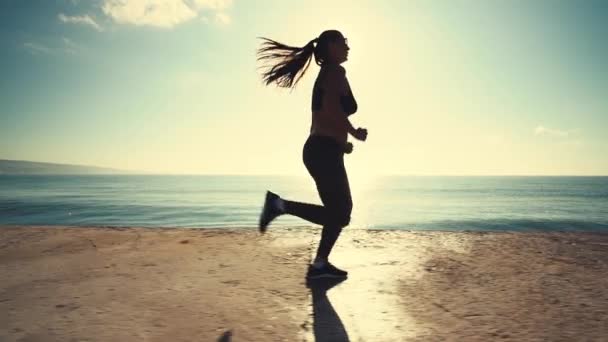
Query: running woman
point(323, 153)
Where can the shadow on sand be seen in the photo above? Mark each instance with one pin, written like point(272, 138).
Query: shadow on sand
point(225, 337)
point(327, 325)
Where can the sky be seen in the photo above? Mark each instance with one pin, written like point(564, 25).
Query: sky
point(172, 86)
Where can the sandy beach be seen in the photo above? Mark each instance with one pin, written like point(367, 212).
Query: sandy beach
point(136, 284)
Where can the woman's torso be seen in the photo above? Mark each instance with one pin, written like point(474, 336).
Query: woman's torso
point(323, 121)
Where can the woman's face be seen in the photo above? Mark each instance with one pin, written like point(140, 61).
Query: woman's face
point(338, 50)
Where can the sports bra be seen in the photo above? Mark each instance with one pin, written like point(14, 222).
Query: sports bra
point(348, 102)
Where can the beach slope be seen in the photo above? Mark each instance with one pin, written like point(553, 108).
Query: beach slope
point(131, 284)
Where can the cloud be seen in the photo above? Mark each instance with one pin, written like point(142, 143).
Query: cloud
point(84, 19)
point(70, 46)
point(67, 46)
point(36, 48)
point(163, 13)
point(213, 4)
point(222, 18)
point(545, 131)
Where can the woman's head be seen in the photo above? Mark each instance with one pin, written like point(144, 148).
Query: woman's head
point(290, 63)
point(331, 48)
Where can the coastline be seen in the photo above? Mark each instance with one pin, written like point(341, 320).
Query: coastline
point(96, 284)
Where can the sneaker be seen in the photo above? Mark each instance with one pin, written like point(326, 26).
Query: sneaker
point(270, 211)
point(327, 271)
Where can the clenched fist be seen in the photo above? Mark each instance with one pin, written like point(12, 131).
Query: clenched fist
point(348, 148)
point(360, 134)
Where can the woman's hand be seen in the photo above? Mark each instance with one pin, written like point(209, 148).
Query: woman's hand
point(360, 134)
point(348, 148)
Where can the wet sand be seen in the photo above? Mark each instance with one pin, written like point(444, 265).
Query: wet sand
point(133, 284)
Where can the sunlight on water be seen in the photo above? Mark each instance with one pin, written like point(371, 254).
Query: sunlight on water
point(362, 187)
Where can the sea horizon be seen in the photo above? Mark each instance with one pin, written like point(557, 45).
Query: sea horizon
point(408, 202)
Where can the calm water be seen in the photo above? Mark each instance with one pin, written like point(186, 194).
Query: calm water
point(429, 203)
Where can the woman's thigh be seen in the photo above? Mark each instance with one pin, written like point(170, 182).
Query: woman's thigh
point(334, 188)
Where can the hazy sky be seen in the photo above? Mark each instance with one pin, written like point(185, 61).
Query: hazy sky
point(444, 87)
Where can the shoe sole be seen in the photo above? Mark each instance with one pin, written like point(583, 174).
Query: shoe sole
point(320, 276)
point(265, 210)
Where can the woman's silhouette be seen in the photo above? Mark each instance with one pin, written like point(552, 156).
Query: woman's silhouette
point(323, 153)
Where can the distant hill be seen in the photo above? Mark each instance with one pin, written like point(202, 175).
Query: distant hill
point(20, 167)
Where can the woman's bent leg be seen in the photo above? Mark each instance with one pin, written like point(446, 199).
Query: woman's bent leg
point(310, 212)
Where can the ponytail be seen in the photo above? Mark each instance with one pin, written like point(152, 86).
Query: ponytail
point(290, 63)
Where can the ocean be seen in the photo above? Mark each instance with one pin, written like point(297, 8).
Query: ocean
point(500, 203)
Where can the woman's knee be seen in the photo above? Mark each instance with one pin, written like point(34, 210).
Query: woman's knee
point(341, 218)
point(344, 220)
